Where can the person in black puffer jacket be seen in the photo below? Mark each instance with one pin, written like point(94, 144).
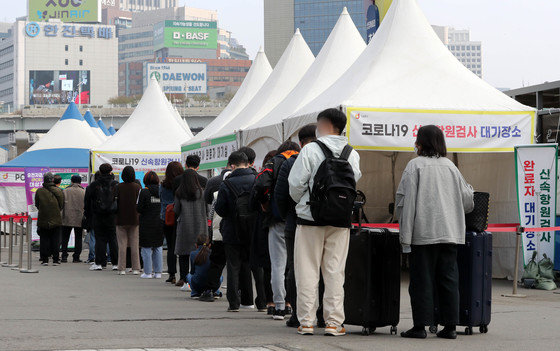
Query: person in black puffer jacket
point(151, 234)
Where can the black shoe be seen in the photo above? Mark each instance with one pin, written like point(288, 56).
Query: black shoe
point(207, 296)
point(77, 260)
point(171, 279)
point(415, 333)
point(288, 310)
point(233, 309)
point(64, 260)
point(270, 310)
point(45, 263)
point(279, 315)
point(447, 333)
point(218, 295)
point(56, 263)
point(292, 322)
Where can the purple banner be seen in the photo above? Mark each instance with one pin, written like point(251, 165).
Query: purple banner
point(33, 181)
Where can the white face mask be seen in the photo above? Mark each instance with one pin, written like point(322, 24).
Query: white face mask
point(317, 133)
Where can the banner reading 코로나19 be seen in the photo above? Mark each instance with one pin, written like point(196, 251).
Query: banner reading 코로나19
point(141, 161)
point(536, 171)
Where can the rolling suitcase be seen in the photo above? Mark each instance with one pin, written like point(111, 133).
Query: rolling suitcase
point(474, 260)
point(373, 280)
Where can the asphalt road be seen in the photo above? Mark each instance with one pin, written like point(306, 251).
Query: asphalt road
point(70, 308)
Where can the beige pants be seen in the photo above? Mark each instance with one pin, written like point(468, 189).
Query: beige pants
point(128, 236)
point(320, 250)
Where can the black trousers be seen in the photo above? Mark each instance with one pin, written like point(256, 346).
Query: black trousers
point(434, 275)
point(263, 286)
point(184, 266)
point(170, 233)
point(49, 243)
point(78, 232)
point(105, 235)
point(239, 279)
point(217, 265)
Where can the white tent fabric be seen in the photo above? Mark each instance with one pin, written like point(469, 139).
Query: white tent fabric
point(258, 74)
point(406, 66)
point(293, 64)
point(339, 52)
point(153, 126)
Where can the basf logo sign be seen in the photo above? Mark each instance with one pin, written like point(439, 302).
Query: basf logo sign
point(179, 78)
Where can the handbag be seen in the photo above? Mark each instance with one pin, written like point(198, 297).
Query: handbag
point(170, 215)
point(477, 220)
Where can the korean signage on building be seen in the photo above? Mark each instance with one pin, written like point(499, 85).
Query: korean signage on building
point(65, 10)
point(536, 170)
point(36, 30)
point(186, 34)
point(465, 131)
point(213, 153)
point(179, 78)
point(141, 161)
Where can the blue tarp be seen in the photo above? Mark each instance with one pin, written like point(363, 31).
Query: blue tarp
point(55, 158)
point(103, 127)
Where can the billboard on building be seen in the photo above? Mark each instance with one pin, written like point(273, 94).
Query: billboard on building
point(179, 78)
point(186, 34)
point(59, 87)
point(65, 10)
point(375, 11)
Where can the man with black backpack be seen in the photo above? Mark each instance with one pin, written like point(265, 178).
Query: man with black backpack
point(238, 219)
point(323, 184)
point(101, 207)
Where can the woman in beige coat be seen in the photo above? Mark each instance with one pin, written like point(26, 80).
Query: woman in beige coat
point(72, 216)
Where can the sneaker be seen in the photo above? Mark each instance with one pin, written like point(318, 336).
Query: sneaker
point(95, 267)
point(186, 287)
point(247, 307)
point(180, 282)
point(262, 309)
point(135, 272)
point(146, 276)
point(115, 268)
point(122, 273)
point(195, 296)
point(332, 330)
point(288, 310)
point(44, 264)
point(292, 322)
point(207, 296)
point(157, 275)
point(270, 310)
point(279, 315)
point(56, 263)
point(90, 261)
point(217, 295)
point(77, 261)
point(171, 279)
point(233, 309)
point(302, 330)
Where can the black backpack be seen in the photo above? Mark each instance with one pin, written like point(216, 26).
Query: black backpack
point(334, 189)
point(245, 214)
point(105, 199)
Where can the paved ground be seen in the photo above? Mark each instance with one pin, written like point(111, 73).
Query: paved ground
point(70, 308)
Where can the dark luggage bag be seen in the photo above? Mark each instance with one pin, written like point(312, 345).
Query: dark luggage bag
point(373, 280)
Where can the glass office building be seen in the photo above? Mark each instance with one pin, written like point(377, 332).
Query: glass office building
point(316, 19)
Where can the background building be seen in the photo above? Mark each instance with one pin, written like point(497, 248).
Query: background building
point(139, 5)
point(458, 41)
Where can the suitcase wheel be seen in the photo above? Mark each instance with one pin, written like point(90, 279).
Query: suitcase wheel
point(433, 329)
point(367, 331)
point(394, 330)
point(483, 329)
point(468, 331)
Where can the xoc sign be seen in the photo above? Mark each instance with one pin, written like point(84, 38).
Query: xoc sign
point(65, 10)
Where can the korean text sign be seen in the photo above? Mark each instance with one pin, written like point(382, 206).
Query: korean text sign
point(213, 153)
point(33, 181)
point(536, 170)
point(142, 162)
point(186, 34)
point(465, 131)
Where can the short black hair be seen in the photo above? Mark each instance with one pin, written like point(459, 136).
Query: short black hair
point(431, 141)
point(151, 178)
point(307, 134)
point(76, 179)
point(238, 158)
point(336, 117)
point(286, 146)
point(193, 161)
point(128, 174)
point(57, 180)
point(251, 154)
point(105, 168)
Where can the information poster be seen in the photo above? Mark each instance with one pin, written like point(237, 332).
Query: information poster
point(213, 153)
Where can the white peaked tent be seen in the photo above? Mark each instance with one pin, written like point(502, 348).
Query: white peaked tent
point(94, 126)
point(149, 139)
point(295, 61)
point(339, 52)
point(258, 73)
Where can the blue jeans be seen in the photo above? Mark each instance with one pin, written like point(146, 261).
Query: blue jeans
point(91, 247)
point(152, 256)
point(196, 292)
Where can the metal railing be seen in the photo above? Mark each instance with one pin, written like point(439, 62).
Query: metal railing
point(17, 233)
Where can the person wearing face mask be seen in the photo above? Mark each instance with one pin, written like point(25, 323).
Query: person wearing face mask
point(431, 202)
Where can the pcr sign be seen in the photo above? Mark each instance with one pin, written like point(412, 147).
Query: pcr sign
point(179, 78)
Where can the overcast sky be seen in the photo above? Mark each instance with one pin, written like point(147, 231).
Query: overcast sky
point(520, 38)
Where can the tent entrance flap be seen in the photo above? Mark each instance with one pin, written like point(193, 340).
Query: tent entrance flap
point(384, 129)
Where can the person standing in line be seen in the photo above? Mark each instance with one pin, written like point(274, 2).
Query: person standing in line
point(319, 248)
point(150, 227)
point(101, 207)
point(233, 205)
point(167, 197)
point(49, 201)
point(190, 210)
point(264, 196)
point(57, 180)
point(72, 218)
point(127, 220)
point(193, 163)
point(431, 202)
point(88, 222)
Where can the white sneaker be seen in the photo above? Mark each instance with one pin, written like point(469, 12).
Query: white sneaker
point(146, 276)
point(95, 267)
point(157, 276)
point(128, 270)
point(122, 272)
point(135, 272)
point(247, 307)
point(186, 287)
point(115, 268)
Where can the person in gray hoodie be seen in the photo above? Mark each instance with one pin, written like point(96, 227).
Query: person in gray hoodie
point(431, 203)
point(320, 249)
